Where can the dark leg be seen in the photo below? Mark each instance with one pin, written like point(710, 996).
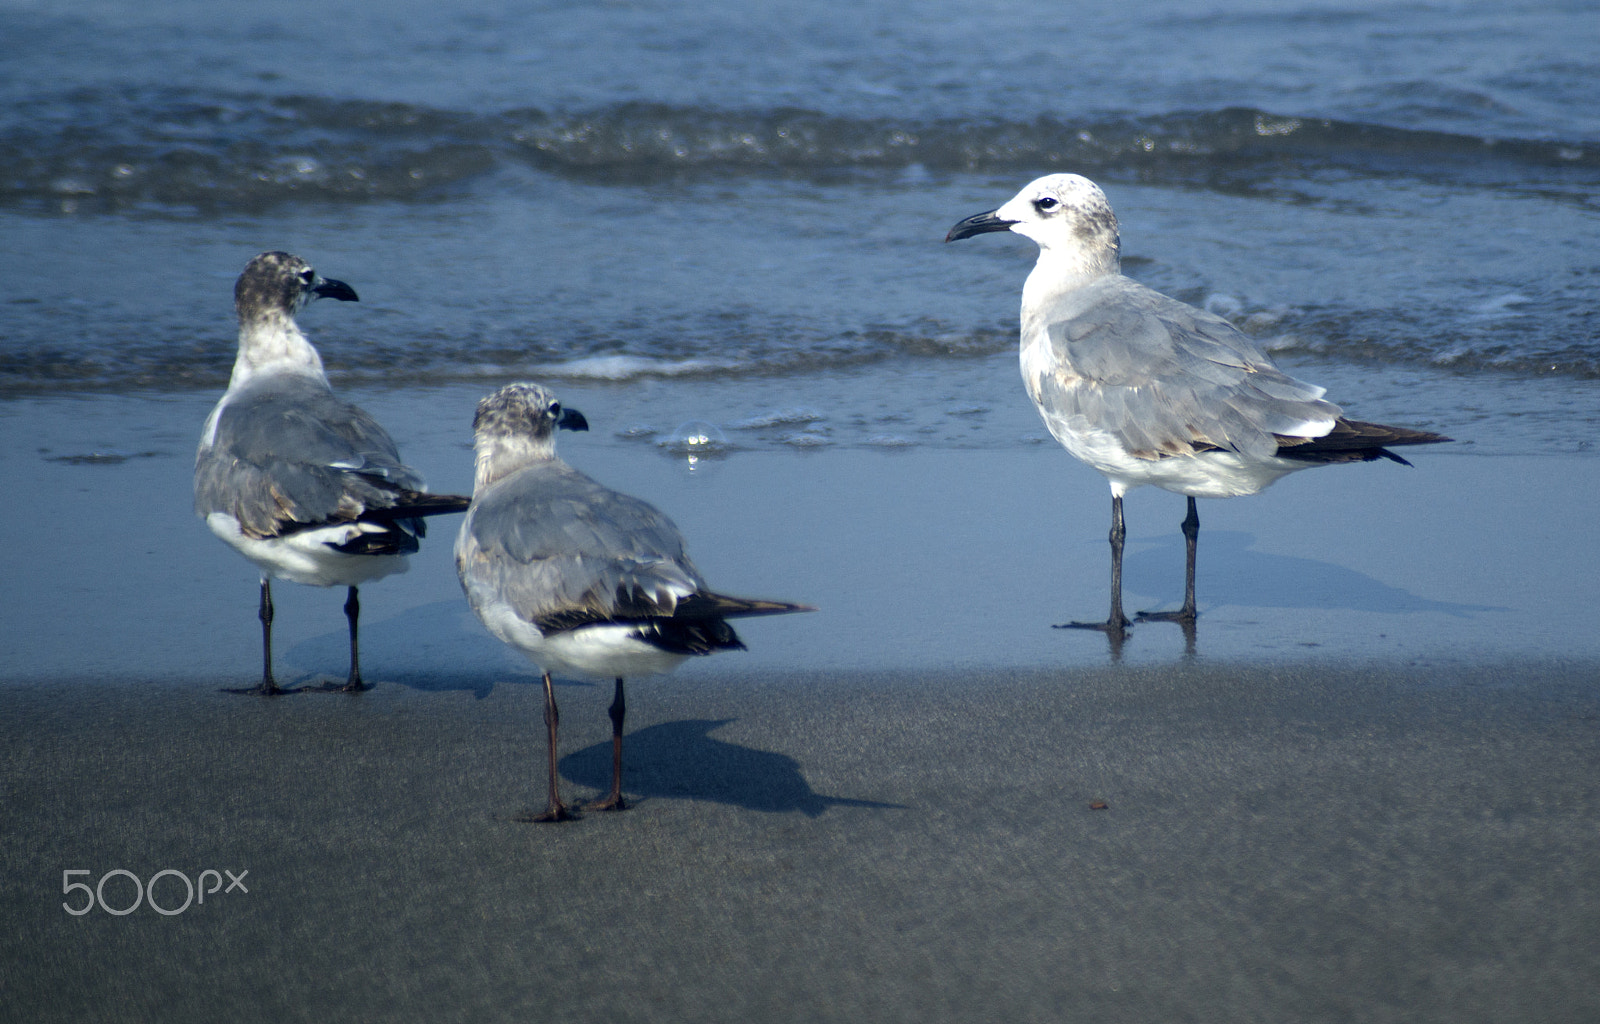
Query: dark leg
point(1116, 623)
point(1191, 536)
point(613, 800)
point(554, 809)
point(352, 611)
point(269, 685)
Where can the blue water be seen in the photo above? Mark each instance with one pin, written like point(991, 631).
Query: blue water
point(758, 190)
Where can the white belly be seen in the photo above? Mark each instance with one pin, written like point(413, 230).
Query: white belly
point(1212, 474)
point(591, 652)
point(305, 557)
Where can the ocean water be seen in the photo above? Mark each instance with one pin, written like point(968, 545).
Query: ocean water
point(1400, 198)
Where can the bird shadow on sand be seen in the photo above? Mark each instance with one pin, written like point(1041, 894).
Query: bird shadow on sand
point(1230, 573)
point(682, 761)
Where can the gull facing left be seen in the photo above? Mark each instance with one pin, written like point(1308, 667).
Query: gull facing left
point(583, 580)
point(307, 486)
point(1151, 390)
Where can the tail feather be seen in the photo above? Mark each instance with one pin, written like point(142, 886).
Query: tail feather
point(699, 623)
point(399, 538)
point(691, 636)
point(1355, 441)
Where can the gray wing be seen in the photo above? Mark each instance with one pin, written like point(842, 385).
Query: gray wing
point(551, 542)
point(285, 453)
point(1166, 378)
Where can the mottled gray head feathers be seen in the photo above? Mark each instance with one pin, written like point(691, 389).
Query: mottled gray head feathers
point(527, 410)
point(272, 289)
point(279, 283)
point(515, 426)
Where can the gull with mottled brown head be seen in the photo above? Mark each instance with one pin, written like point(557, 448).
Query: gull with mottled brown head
point(1150, 390)
point(307, 486)
point(583, 580)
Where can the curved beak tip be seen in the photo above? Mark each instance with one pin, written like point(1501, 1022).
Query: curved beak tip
point(331, 289)
point(572, 419)
point(978, 224)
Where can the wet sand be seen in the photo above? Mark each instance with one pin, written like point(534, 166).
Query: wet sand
point(1304, 843)
point(1365, 790)
point(929, 557)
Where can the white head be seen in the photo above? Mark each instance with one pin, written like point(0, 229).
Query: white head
point(1066, 214)
point(516, 426)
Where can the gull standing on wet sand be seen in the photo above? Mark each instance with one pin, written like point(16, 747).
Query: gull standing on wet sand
point(302, 483)
point(581, 579)
point(1150, 390)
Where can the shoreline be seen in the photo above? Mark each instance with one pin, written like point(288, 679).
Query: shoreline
point(925, 558)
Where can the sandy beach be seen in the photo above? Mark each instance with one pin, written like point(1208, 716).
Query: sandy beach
point(1305, 843)
point(1364, 791)
point(1362, 788)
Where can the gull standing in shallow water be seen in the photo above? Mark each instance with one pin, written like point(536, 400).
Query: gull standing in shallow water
point(1150, 390)
point(581, 579)
point(302, 483)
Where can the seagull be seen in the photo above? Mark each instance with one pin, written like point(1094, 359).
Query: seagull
point(583, 580)
point(302, 483)
point(1150, 390)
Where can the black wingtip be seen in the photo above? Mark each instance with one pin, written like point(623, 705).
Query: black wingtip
point(742, 607)
point(1356, 441)
point(416, 504)
point(1392, 457)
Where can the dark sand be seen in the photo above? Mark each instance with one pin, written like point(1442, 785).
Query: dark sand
point(1280, 844)
point(1367, 790)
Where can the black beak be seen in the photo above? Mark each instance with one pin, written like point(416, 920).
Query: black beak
point(978, 224)
point(572, 419)
point(330, 289)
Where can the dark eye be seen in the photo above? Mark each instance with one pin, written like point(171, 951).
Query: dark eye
point(308, 276)
point(1044, 204)
point(554, 412)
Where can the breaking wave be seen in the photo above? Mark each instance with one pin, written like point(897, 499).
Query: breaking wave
point(92, 149)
